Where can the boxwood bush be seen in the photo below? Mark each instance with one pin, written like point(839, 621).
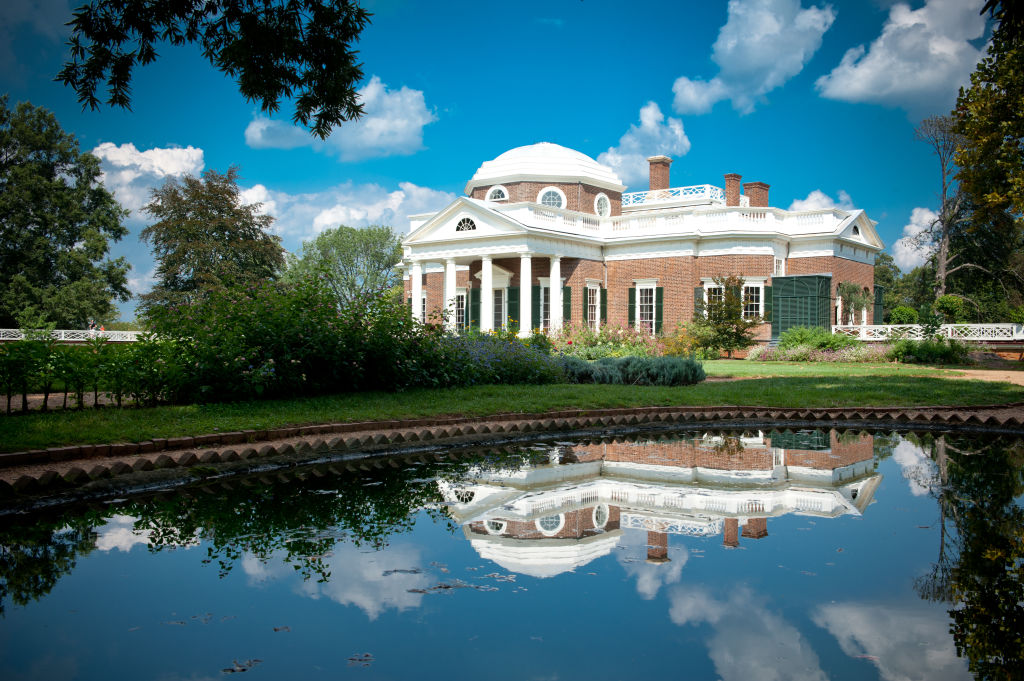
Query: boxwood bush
point(666, 371)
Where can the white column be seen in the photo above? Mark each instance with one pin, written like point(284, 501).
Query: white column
point(486, 294)
point(449, 292)
point(525, 296)
point(864, 317)
point(416, 278)
point(839, 310)
point(556, 293)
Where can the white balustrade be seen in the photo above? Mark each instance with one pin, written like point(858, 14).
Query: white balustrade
point(699, 192)
point(76, 335)
point(964, 332)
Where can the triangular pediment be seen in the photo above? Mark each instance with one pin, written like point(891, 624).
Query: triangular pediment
point(859, 227)
point(464, 220)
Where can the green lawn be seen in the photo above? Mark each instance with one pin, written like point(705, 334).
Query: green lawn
point(782, 385)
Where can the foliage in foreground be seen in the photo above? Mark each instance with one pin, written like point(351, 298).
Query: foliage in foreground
point(664, 371)
point(583, 342)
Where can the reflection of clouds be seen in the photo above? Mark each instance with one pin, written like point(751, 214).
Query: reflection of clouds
point(120, 533)
point(749, 641)
point(909, 643)
point(918, 469)
point(649, 577)
point(357, 577)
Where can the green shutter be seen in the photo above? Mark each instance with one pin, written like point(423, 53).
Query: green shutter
point(767, 293)
point(567, 303)
point(603, 293)
point(698, 301)
point(632, 306)
point(879, 311)
point(474, 308)
point(512, 305)
point(408, 301)
point(583, 317)
point(659, 298)
point(535, 308)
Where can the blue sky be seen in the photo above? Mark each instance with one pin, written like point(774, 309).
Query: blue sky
point(819, 100)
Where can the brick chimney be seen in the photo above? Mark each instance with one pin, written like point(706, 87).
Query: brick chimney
point(657, 547)
point(732, 189)
point(730, 536)
point(659, 172)
point(758, 193)
point(756, 528)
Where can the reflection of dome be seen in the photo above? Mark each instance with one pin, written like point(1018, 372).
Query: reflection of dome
point(543, 557)
point(546, 162)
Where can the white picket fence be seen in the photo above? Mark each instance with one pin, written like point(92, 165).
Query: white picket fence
point(76, 335)
point(985, 333)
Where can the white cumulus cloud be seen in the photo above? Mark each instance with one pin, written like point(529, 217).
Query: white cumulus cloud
point(920, 472)
point(904, 643)
point(392, 125)
point(819, 200)
point(917, 63)
point(912, 250)
point(655, 135)
point(762, 45)
point(131, 173)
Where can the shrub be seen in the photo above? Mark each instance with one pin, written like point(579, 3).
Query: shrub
point(951, 308)
point(665, 371)
point(931, 351)
point(902, 314)
point(691, 340)
point(583, 342)
point(816, 338)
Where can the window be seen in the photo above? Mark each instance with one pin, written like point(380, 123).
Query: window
point(600, 515)
point(498, 193)
point(551, 524)
point(780, 267)
point(715, 294)
point(593, 307)
point(856, 230)
point(545, 307)
point(551, 196)
point(602, 206)
point(499, 309)
point(424, 317)
point(751, 301)
point(645, 308)
point(495, 526)
point(465, 225)
point(460, 310)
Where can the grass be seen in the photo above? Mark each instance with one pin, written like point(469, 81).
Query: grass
point(777, 385)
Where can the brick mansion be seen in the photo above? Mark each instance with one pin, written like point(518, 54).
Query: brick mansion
point(547, 237)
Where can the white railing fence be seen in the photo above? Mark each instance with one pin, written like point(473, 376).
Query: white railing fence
point(964, 332)
point(699, 192)
point(76, 335)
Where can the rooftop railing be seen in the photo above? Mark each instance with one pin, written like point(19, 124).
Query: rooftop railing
point(698, 193)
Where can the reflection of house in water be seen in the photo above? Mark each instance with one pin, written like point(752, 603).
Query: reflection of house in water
point(545, 519)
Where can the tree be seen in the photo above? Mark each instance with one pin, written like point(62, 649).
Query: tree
point(352, 262)
point(990, 118)
point(206, 237)
point(719, 323)
point(56, 224)
point(272, 48)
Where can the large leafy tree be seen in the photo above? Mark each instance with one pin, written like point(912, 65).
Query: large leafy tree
point(990, 117)
point(204, 236)
point(56, 224)
point(299, 49)
point(352, 262)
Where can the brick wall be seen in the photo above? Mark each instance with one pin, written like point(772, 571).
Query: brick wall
point(578, 524)
point(578, 196)
point(674, 275)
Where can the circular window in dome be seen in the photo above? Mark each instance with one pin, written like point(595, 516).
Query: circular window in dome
point(552, 197)
point(600, 515)
point(498, 193)
point(495, 526)
point(465, 225)
point(550, 524)
point(602, 206)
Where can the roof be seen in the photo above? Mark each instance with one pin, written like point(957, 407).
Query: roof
point(546, 162)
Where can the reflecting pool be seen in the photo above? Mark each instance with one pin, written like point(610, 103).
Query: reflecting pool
point(691, 554)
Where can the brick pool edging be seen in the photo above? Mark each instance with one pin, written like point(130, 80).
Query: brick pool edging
point(76, 465)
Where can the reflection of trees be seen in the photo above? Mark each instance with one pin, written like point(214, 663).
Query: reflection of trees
point(980, 569)
point(299, 515)
point(35, 554)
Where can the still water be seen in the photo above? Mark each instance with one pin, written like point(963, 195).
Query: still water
point(693, 555)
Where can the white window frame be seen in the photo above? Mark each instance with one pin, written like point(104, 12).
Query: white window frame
point(463, 294)
point(550, 533)
point(607, 516)
point(501, 308)
point(780, 267)
point(495, 188)
point(500, 528)
point(594, 323)
point(759, 286)
point(558, 191)
point(597, 198)
point(752, 282)
point(640, 290)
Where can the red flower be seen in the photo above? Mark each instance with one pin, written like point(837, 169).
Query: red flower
point(570, 342)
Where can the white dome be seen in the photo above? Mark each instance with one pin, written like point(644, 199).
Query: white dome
point(544, 162)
